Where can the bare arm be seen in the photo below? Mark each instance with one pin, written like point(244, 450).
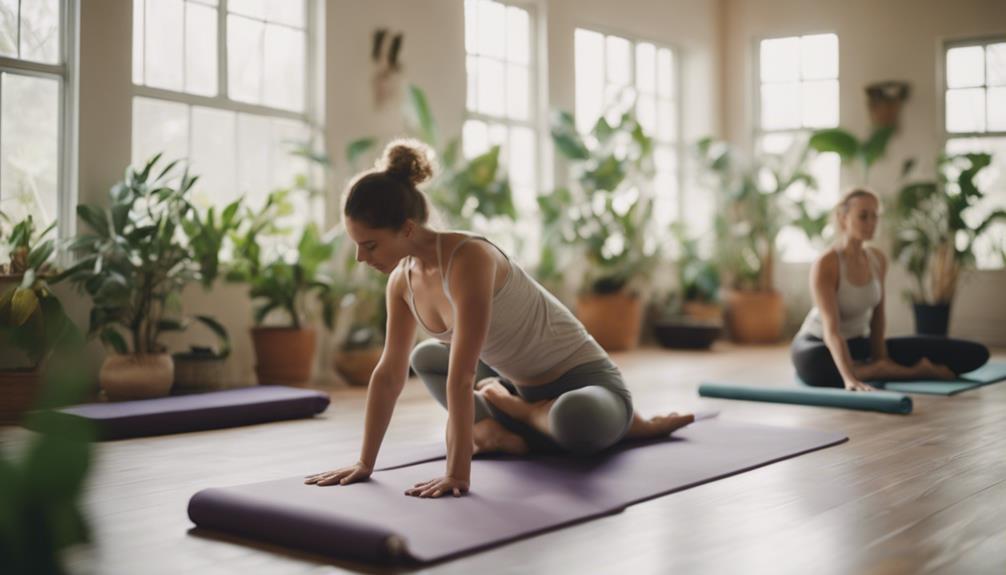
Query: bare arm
point(878, 322)
point(824, 286)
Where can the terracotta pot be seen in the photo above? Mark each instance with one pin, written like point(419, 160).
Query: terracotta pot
point(125, 377)
point(18, 388)
point(199, 374)
point(754, 316)
point(702, 311)
point(613, 319)
point(357, 365)
point(284, 355)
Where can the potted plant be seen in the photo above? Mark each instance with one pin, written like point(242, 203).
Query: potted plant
point(851, 149)
point(757, 199)
point(32, 319)
point(134, 266)
point(690, 317)
point(937, 223)
point(605, 220)
point(284, 280)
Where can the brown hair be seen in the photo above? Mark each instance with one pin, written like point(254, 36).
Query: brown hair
point(386, 196)
point(842, 207)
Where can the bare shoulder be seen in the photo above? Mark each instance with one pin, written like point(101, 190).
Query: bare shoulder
point(396, 282)
point(826, 265)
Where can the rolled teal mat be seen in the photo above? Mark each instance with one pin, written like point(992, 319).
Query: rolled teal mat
point(884, 401)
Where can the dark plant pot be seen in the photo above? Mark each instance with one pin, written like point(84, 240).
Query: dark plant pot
point(932, 319)
point(683, 333)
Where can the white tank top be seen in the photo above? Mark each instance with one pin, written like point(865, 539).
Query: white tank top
point(855, 303)
point(530, 331)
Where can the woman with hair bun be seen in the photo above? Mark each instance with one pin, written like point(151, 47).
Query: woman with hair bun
point(507, 359)
point(841, 342)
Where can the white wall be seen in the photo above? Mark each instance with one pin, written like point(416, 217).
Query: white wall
point(890, 39)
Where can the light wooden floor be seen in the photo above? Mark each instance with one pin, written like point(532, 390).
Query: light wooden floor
point(922, 493)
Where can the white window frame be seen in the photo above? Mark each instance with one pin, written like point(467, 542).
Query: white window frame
point(65, 73)
point(311, 116)
point(676, 93)
point(942, 87)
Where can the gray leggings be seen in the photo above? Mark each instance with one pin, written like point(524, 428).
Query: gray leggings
point(593, 410)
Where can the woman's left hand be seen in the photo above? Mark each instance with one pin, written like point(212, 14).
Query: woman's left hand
point(438, 487)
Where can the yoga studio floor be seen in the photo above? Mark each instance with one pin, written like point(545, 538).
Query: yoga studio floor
point(922, 493)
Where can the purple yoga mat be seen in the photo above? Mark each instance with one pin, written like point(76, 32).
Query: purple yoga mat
point(510, 497)
point(197, 412)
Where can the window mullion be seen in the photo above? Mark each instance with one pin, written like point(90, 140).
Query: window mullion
point(222, 71)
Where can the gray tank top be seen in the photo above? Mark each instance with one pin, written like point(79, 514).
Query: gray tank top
point(530, 331)
point(855, 303)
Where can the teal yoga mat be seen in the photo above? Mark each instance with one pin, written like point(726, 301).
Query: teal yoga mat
point(992, 372)
point(883, 401)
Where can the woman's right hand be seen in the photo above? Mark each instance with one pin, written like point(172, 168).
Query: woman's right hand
point(856, 385)
point(342, 476)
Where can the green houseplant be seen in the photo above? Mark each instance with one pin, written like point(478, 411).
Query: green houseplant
point(604, 218)
point(133, 265)
point(937, 223)
point(853, 151)
point(758, 197)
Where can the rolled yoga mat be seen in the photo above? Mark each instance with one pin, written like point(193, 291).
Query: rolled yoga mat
point(510, 497)
point(197, 412)
point(884, 401)
point(991, 372)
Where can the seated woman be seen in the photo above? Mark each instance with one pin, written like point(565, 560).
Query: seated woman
point(488, 317)
point(841, 342)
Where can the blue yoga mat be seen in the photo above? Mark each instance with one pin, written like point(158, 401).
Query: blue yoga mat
point(992, 372)
point(883, 401)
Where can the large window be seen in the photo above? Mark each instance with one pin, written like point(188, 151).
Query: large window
point(614, 73)
point(225, 84)
point(798, 93)
point(35, 110)
point(975, 121)
point(500, 104)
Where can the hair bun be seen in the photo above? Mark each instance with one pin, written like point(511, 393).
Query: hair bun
point(408, 160)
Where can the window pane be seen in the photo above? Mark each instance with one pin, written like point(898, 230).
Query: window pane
point(472, 71)
point(498, 137)
point(820, 104)
point(244, 59)
point(490, 78)
point(965, 67)
point(992, 181)
point(253, 158)
point(522, 167)
point(471, 26)
point(286, 135)
point(163, 63)
point(517, 92)
point(646, 113)
point(666, 184)
point(966, 110)
point(776, 144)
point(159, 126)
point(40, 30)
point(253, 8)
point(826, 169)
point(795, 246)
point(474, 138)
point(200, 49)
point(138, 34)
point(618, 61)
point(819, 56)
point(996, 55)
point(997, 110)
point(212, 156)
point(780, 60)
point(666, 122)
point(8, 28)
point(491, 16)
point(29, 146)
point(284, 67)
point(289, 12)
point(780, 106)
point(646, 68)
point(518, 38)
point(589, 48)
point(665, 73)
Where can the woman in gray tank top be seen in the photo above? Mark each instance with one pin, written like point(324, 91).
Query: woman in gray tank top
point(842, 342)
point(510, 363)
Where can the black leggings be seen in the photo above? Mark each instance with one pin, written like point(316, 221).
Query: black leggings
point(816, 367)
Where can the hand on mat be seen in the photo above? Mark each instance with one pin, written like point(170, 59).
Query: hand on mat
point(856, 385)
point(341, 476)
point(438, 487)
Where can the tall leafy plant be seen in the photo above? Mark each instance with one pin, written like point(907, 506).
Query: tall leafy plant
point(605, 215)
point(937, 223)
point(853, 151)
point(27, 245)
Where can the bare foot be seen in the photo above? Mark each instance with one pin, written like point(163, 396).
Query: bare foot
point(490, 436)
point(937, 370)
point(500, 397)
point(658, 426)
